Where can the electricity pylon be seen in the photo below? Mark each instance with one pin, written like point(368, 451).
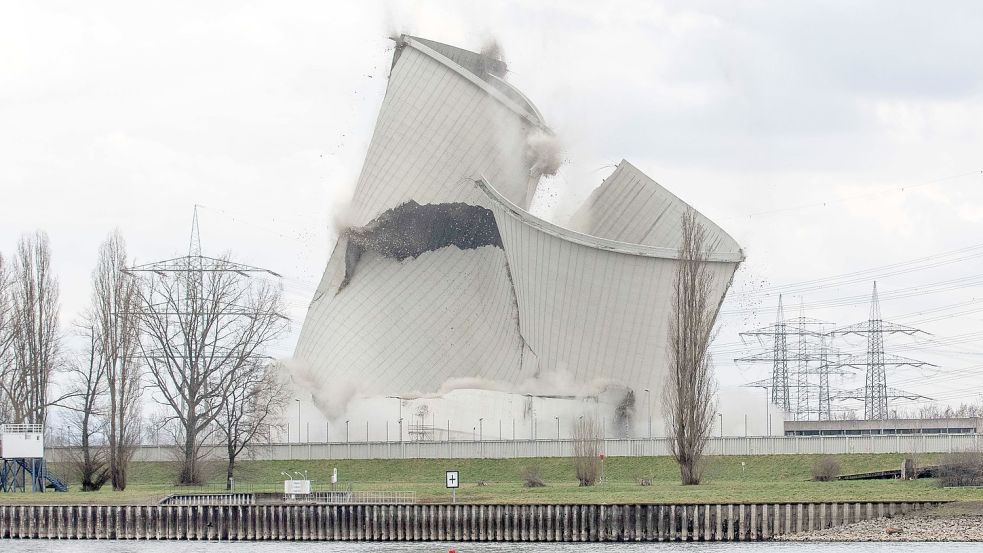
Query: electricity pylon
point(875, 393)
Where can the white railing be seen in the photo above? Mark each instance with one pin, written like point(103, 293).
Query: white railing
point(357, 498)
point(344, 497)
point(21, 428)
point(210, 499)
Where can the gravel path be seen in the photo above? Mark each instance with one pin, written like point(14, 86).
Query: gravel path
point(940, 525)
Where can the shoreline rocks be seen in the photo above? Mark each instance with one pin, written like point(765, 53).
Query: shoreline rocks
point(937, 527)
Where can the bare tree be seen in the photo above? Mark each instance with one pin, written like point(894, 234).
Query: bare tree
point(587, 451)
point(88, 373)
point(690, 385)
point(34, 343)
point(255, 397)
point(115, 305)
point(6, 343)
point(200, 329)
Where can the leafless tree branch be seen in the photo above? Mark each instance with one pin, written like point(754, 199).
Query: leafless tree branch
point(87, 421)
point(6, 343)
point(114, 305)
point(202, 330)
point(255, 398)
point(29, 339)
point(587, 450)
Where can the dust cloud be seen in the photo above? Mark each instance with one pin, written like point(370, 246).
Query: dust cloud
point(331, 400)
point(544, 153)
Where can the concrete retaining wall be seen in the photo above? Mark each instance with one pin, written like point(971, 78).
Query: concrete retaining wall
point(567, 523)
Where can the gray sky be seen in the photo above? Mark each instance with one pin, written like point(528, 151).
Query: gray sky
point(827, 137)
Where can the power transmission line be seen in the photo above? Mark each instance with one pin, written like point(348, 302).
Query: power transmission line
point(881, 192)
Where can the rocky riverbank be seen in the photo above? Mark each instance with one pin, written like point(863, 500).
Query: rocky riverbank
point(955, 522)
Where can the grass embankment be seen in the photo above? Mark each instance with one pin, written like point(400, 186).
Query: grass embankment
point(765, 478)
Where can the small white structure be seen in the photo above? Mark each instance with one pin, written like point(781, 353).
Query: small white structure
point(297, 487)
point(21, 441)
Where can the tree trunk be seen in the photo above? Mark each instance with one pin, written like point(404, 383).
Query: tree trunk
point(189, 470)
point(115, 473)
point(230, 472)
point(86, 457)
point(113, 462)
point(119, 448)
point(688, 473)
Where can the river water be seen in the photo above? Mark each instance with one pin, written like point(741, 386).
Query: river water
point(55, 546)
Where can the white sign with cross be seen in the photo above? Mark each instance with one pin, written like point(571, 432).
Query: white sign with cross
point(453, 479)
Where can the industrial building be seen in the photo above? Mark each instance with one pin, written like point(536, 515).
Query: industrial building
point(963, 425)
point(444, 297)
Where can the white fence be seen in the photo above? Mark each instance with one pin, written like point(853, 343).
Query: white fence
point(360, 498)
point(634, 447)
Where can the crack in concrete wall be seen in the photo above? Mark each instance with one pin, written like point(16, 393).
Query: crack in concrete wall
point(411, 229)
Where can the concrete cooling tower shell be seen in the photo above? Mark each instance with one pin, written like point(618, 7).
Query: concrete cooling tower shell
point(630, 207)
point(444, 274)
point(593, 307)
point(441, 122)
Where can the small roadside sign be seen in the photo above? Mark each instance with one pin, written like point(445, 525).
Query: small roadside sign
point(453, 482)
point(453, 479)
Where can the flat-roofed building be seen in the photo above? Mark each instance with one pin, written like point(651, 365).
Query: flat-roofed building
point(887, 426)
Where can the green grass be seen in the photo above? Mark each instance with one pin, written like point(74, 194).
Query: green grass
point(775, 478)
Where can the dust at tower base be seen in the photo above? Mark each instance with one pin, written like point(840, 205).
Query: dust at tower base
point(445, 283)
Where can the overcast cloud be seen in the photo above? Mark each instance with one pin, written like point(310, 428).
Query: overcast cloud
point(821, 135)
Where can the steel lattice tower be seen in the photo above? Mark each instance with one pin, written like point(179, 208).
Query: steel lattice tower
point(876, 393)
point(802, 359)
point(825, 409)
point(792, 388)
point(780, 381)
point(190, 272)
point(779, 373)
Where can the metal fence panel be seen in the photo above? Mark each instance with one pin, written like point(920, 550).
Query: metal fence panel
point(625, 447)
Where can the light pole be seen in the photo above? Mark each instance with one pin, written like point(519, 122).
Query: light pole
point(648, 402)
point(764, 387)
point(721, 415)
point(767, 411)
point(400, 400)
point(481, 429)
point(557, 427)
point(346, 431)
point(298, 419)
